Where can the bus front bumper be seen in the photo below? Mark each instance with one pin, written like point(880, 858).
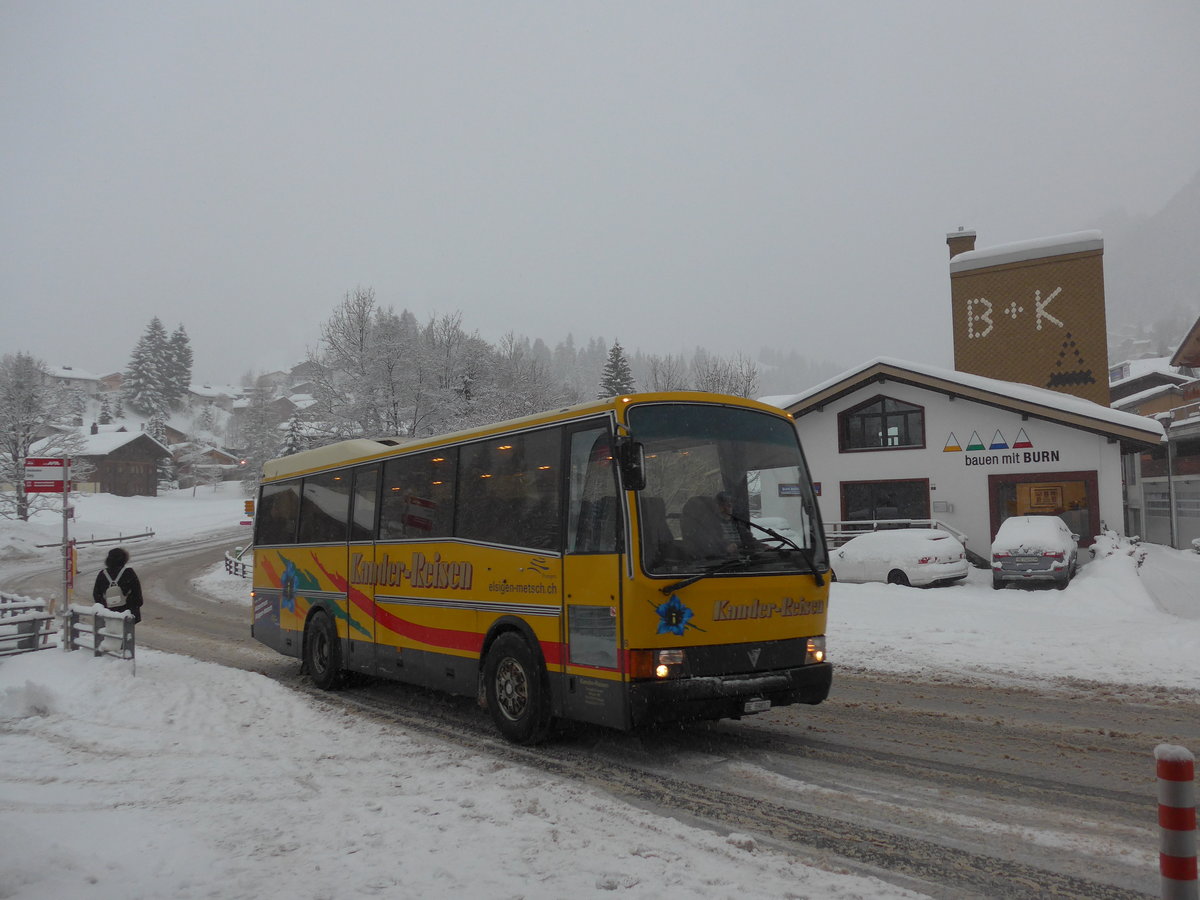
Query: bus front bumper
point(727, 696)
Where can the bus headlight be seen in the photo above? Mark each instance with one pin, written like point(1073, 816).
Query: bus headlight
point(669, 663)
point(815, 651)
point(657, 664)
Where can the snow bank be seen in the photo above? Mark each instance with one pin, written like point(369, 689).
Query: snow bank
point(196, 781)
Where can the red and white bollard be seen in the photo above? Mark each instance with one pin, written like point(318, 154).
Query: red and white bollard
point(1177, 821)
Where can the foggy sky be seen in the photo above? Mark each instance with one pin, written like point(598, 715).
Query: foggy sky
point(732, 175)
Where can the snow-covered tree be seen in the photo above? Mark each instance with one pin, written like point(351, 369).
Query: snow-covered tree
point(617, 377)
point(260, 438)
point(105, 416)
point(294, 437)
point(178, 367)
point(156, 427)
point(30, 405)
point(147, 380)
point(515, 382)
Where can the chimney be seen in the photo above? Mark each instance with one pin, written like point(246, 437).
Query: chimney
point(95, 428)
point(960, 242)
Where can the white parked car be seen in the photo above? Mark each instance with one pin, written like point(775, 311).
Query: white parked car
point(1034, 550)
point(916, 556)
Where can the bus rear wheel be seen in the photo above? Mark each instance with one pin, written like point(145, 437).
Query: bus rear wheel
point(515, 685)
point(323, 653)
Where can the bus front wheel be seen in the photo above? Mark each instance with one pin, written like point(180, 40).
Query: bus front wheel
point(323, 653)
point(516, 690)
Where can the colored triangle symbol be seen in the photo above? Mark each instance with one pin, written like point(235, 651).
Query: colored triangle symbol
point(1022, 441)
point(976, 441)
point(951, 444)
point(998, 441)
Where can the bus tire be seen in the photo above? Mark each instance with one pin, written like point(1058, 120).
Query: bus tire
point(517, 696)
point(323, 653)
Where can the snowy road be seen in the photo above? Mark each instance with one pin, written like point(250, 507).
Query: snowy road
point(950, 789)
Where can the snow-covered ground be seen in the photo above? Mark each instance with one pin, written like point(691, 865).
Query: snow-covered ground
point(191, 780)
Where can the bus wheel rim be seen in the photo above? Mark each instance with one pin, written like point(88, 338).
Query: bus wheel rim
point(320, 652)
point(512, 689)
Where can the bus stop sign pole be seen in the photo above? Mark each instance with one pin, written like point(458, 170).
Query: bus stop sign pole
point(52, 475)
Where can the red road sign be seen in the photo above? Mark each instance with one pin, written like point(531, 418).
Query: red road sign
point(45, 474)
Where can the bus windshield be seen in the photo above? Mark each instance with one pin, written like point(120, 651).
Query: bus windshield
point(724, 484)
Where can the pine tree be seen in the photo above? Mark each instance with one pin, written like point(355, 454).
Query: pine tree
point(105, 417)
point(206, 421)
point(294, 439)
point(156, 427)
point(179, 367)
point(617, 377)
point(147, 380)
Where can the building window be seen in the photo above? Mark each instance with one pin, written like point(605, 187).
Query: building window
point(885, 501)
point(881, 424)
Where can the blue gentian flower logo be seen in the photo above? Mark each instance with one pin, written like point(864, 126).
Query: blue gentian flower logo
point(673, 616)
point(289, 585)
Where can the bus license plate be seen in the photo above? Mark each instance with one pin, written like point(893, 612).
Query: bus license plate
point(756, 706)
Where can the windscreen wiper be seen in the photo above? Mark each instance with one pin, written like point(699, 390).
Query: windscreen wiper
point(803, 551)
point(710, 570)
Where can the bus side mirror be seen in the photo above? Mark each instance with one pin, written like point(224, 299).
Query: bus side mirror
point(631, 459)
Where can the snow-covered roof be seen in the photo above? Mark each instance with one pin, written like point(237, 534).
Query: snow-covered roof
point(1140, 368)
point(1019, 251)
point(215, 390)
point(71, 372)
point(105, 442)
point(1188, 353)
point(1006, 394)
point(1135, 400)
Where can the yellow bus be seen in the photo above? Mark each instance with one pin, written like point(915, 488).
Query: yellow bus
point(647, 558)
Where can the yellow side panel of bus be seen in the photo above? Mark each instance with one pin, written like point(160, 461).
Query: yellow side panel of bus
point(304, 576)
point(443, 597)
point(725, 610)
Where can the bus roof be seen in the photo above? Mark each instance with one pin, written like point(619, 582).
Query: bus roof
point(360, 450)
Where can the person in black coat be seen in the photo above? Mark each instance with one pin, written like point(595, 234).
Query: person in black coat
point(116, 566)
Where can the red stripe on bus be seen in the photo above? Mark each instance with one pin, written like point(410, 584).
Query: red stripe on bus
point(446, 638)
point(552, 652)
point(273, 578)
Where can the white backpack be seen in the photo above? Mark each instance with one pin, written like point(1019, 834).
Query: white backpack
point(113, 595)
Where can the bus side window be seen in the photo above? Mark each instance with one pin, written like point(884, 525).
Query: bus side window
point(325, 508)
point(418, 496)
point(508, 491)
point(277, 514)
point(364, 503)
point(593, 515)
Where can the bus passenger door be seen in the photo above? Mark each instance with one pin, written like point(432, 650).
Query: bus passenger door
point(592, 689)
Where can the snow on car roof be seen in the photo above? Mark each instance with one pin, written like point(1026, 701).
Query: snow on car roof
point(929, 534)
point(1032, 525)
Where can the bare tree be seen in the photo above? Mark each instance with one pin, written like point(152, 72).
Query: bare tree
point(30, 409)
point(737, 375)
point(667, 373)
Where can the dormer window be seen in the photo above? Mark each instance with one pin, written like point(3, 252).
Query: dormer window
point(882, 423)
